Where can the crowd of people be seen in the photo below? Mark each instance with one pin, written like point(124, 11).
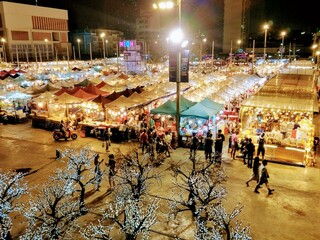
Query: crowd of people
point(159, 146)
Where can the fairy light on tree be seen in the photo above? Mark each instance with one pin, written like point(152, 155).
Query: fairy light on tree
point(12, 188)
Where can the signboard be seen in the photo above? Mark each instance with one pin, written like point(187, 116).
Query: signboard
point(173, 64)
point(184, 66)
point(173, 61)
point(132, 55)
point(127, 43)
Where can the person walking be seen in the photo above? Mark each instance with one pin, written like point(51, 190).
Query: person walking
point(144, 140)
point(208, 143)
point(261, 148)
point(112, 170)
point(255, 171)
point(250, 149)
point(234, 144)
point(97, 171)
point(219, 142)
point(230, 144)
point(194, 145)
point(107, 137)
point(264, 175)
point(244, 150)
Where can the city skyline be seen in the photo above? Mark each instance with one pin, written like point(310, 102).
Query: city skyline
point(97, 13)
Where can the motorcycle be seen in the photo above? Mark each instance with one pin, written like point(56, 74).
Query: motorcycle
point(70, 133)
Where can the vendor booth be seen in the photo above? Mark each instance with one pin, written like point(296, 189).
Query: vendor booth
point(13, 107)
point(199, 118)
point(283, 109)
point(168, 110)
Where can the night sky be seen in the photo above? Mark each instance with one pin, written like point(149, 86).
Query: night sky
point(119, 14)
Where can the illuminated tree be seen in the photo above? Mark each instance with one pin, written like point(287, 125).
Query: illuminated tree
point(197, 188)
point(52, 213)
point(203, 186)
point(80, 171)
point(12, 188)
point(221, 225)
point(131, 212)
point(135, 175)
point(133, 218)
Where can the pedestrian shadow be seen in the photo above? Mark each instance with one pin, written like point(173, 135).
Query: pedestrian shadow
point(25, 171)
point(227, 160)
point(100, 198)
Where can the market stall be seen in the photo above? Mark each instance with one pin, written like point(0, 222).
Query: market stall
point(283, 109)
point(14, 104)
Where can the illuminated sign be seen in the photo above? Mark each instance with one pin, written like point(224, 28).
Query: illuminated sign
point(127, 43)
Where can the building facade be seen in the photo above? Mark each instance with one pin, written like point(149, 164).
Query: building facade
point(32, 33)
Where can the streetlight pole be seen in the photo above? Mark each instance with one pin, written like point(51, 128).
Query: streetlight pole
point(74, 53)
point(90, 46)
point(107, 47)
point(265, 27)
point(282, 43)
point(212, 54)
point(253, 46)
point(17, 52)
point(103, 47)
point(318, 56)
point(47, 50)
point(201, 46)
point(178, 79)
point(170, 4)
point(231, 53)
point(78, 40)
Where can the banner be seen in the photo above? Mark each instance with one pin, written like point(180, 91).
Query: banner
point(173, 61)
point(173, 66)
point(185, 66)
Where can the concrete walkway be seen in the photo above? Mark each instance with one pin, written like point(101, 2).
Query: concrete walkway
point(292, 212)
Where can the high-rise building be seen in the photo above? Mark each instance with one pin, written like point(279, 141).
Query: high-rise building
point(32, 32)
point(242, 21)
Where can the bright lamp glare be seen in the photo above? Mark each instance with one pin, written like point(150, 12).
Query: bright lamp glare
point(184, 43)
point(176, 36)
point(163, 5)
point(155, 6)
point(169, 4)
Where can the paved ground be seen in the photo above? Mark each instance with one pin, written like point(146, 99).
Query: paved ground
point(292, 212)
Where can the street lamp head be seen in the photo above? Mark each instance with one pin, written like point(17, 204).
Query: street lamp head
point(314, 46)
point(266, 27)
point(163, 5)
point(204, 40)
point(107, 41)
point(3, 40)
point(283, 33)
point(176, 36)
point(239, 41)
point(78, 40)
point(102, 35)
point(46, 40)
